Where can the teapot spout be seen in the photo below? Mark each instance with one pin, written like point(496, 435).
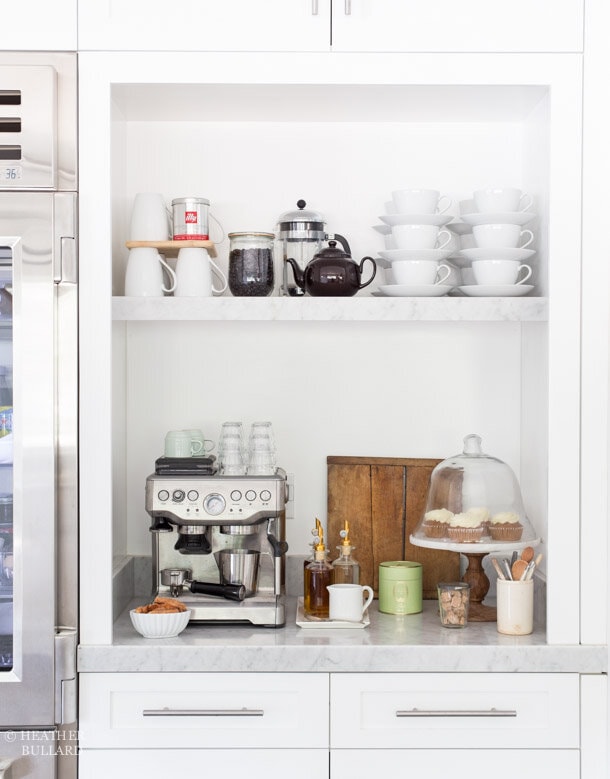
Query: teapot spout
point(299, 278)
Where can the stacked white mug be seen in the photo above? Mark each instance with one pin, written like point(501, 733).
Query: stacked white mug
point(501, 245)
point(418, 242)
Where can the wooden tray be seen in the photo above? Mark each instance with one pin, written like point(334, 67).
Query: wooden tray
point(383, 499)
point(171, 248)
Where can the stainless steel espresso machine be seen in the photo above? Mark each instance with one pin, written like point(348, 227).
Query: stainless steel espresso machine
point(218, 543)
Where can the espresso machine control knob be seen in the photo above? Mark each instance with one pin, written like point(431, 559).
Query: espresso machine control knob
point(265, 495)
point(178, 496)
point(163, 495)
point(250, 495)
point(214, 504)
point(192, 495)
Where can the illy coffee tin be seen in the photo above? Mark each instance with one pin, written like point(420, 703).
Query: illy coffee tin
point(400, 587)
point(190, 219)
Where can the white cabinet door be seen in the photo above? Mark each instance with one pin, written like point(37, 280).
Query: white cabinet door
point(440, 764)
point(195, 763)
point(444, 25)
point(39, 25)
point(204, 25)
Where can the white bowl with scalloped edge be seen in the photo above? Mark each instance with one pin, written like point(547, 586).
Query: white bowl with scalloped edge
point(160, 625)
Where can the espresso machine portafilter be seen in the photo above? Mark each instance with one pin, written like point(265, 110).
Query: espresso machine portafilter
point(218, 544)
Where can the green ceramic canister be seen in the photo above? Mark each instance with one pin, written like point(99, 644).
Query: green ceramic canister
point(400, 587)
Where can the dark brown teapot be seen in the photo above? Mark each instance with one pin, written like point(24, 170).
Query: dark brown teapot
point(331, 273)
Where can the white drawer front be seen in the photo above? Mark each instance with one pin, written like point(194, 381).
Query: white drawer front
point(458, 711)
point(203, 710)
point(453, 763)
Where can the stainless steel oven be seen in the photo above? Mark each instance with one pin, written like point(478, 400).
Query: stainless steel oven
point(38, 414)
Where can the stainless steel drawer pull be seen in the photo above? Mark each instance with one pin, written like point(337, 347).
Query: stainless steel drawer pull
point(314, 7)
point(348, 7)
point(203, 712)
point(456, 713)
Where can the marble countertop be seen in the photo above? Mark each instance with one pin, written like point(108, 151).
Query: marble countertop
point(390, 643)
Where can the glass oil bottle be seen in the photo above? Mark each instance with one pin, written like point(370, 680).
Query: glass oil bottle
point(346, 570)
point(318, 575)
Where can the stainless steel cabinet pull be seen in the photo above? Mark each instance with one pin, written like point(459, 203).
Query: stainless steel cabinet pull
point(348, 7)
point(457, 713)
point(203, 713)
point(314, 7)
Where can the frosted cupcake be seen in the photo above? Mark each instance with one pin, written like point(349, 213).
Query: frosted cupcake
point(465, 528)
point(505, 526)
point(436, 522)
point(482, 514)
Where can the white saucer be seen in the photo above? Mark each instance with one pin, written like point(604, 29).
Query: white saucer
point(500, 291)
point(383, 229)
point(415, 290)
point(459, 228)
point(504, 253)
point(438, 220)
point(304, 621)
point(507, 218)
point(397, 255)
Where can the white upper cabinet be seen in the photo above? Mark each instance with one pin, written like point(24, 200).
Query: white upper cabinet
point(205, 25)
point(467, 26)
point(39, 26)
point(343, 25)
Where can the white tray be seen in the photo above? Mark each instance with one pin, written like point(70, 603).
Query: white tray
point(324, 624)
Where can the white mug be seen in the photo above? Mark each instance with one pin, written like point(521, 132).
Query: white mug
point(194, 274)
point(500, 272)
point(149, 218)
point(345, 601)
point(499, 236)
point(420, 237)
point(420, 272)
point(501, 200)
point(144, 274)
point(178, 443)
point(420, 201)
point(200, 442)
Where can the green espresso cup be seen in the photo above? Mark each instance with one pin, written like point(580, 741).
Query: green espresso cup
point(400, 587)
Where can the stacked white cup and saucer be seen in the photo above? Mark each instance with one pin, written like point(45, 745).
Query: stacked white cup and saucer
point(498, 257)
point(417, 243)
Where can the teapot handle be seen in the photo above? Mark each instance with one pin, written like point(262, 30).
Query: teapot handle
point(342, 241)
point(366, 283)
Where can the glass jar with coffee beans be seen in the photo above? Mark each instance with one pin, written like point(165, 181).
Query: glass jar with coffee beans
point(251, 272)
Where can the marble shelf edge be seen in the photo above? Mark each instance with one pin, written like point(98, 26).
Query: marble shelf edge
point(531, 309)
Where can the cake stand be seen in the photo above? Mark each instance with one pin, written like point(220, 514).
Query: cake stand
point(475, 575)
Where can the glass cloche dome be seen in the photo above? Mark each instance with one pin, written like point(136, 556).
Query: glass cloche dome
point(474, 498)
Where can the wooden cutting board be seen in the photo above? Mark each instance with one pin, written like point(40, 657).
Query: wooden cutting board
point(384, 498)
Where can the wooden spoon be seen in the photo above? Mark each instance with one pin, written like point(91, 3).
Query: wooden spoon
point(527, 554)
point(518, 569)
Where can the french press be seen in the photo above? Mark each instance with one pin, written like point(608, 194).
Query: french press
point(302, 233)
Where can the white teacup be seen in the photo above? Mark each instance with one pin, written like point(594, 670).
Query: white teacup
point(149, 218)
point(144, 274)
point(498, 236)
point(420, 237)
point(194, 274)
point(346, 601)
point(501, 200)
point(420, 201)
point(500, 272)
point(420, 272)
point(179, 443)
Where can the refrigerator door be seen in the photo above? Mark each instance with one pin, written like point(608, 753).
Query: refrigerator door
point(34, 237)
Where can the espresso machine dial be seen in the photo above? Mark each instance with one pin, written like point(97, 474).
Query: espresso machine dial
point(214, 504)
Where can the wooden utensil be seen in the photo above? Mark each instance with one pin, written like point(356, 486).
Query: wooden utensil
point(518, 569)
